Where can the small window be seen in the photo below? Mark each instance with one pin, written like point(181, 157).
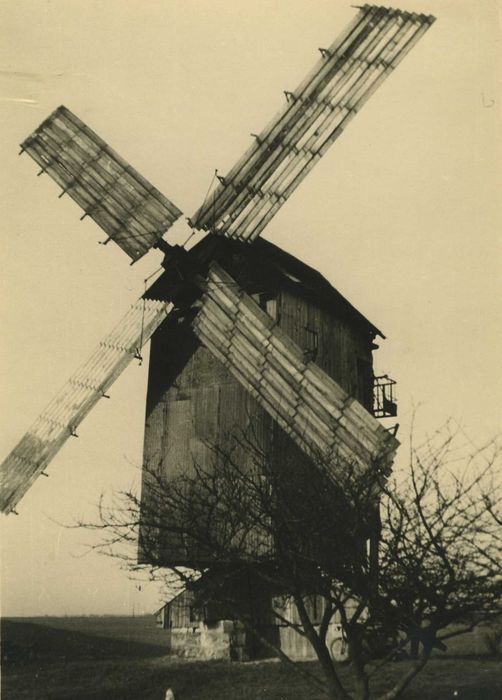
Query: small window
point(311, 343)
point(267, 302)
point(271, 307)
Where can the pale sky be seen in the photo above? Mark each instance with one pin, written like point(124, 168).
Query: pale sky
point(402, 215)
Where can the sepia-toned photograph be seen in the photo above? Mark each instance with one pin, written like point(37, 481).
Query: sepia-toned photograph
point(250, 360)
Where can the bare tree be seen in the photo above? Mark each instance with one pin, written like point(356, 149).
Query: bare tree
point(301, 531)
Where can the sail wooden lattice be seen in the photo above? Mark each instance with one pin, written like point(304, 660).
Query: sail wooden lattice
point(133, 212)
point(76, 398)
point(325, 422)
point(315, 115)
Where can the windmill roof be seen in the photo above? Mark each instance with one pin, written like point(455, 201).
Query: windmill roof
point(263, 262)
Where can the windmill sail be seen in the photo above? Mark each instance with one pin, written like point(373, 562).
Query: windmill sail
point(133, 212)
point(77, 397)
point(309, 405)
point(315, 115)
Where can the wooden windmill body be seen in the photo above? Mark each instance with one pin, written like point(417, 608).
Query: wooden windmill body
point(195, 405)
point(242, 333)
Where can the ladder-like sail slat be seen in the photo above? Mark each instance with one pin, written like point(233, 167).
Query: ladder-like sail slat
point(325, 422)
point(76, 398)
point(124, 204)
point(315, 115)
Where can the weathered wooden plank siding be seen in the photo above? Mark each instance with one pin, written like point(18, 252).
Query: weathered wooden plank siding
point(203, 408)
point(196, 404)
point(295, 645)
point(304, 400)
point(340, 343)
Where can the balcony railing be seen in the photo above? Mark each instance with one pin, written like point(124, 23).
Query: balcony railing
point(384, 399)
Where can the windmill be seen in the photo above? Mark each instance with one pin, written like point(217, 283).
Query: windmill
point(218, 301)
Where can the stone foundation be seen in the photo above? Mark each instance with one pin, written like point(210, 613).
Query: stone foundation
point(222, 640)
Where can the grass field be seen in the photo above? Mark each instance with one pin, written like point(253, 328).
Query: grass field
point(124, 658)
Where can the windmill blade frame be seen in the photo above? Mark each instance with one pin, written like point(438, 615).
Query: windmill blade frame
point(325, 422)
point(132, 212)
point(315, 115)
point(76, 398)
